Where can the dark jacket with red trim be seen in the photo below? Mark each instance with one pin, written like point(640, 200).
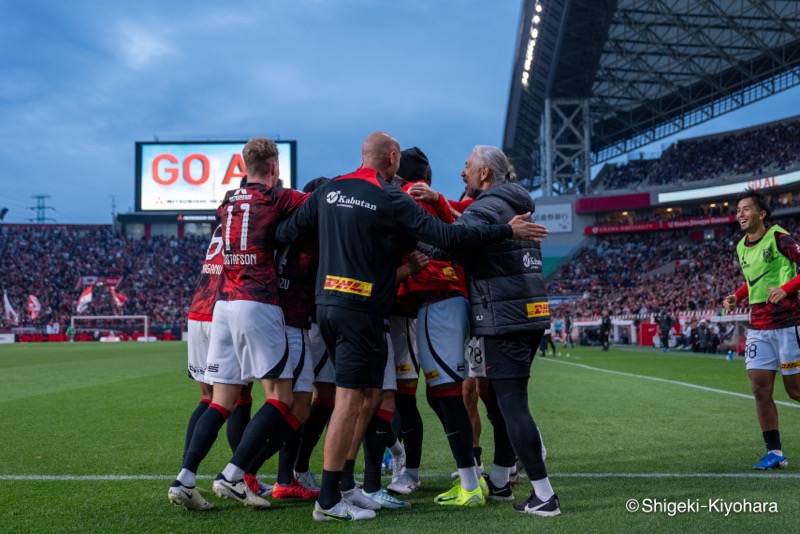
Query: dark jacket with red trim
point(364, 225)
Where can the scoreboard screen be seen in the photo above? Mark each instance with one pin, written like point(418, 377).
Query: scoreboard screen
point(194, 176)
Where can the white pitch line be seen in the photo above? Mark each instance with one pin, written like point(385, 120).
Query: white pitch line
point(118, 478)
point(664, 380)
point(675, 475)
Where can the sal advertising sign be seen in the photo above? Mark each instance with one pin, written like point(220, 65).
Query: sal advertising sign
point(194, 176)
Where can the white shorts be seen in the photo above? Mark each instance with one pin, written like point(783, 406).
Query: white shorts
point(248, 343)
point(475, 357)
point(403, 331)
point(199, 333)
point(774, 350)
point(441, 336)
point(297, 341)
point(321, 363)
point(389, 374)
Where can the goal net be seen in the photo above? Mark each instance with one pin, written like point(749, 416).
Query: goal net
point(121, 326)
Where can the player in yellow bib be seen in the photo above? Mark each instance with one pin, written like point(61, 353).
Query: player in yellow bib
point(768, 257)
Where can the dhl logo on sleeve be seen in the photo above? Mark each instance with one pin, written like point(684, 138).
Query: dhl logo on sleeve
point(538, 309)
point(348, 285)
point(790, 365)
point(403, 368)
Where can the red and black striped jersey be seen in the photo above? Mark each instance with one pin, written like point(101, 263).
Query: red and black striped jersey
point(205, 295)
point(249, 217)
point(297, 274)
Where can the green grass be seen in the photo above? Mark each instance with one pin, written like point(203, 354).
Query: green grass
point(121, 409)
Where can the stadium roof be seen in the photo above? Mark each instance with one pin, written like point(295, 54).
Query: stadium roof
point(649, 68)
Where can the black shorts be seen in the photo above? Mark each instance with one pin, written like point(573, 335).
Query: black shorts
point(356, 343)
point(511, 355)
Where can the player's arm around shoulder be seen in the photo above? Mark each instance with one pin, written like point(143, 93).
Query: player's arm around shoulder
point(525, 228)
point(289, 200)
point(408, 213)
point(301, 210)
point(432, 201)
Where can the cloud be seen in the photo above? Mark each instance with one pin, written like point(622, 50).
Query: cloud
point(140, 48)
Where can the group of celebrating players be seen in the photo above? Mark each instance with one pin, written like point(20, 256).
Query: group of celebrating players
point(345, 292)
point(350, 290)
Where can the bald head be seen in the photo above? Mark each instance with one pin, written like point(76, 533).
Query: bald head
point(381, 152)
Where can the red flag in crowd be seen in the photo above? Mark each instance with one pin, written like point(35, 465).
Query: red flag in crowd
point(10, 314)
point(84, 299)
point(34, 307)
point(119, 298)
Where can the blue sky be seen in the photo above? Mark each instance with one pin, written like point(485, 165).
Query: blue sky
point(82, 81)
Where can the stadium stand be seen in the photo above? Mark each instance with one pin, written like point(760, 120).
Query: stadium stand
point(158, 275)
point(637, 273)
point(624, 176)
point(650, 272)
point(772, 147)
point(642, 275)
point(760, 150)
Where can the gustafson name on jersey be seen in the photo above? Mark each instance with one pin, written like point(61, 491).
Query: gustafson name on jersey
point(240, 259)
point(336, 197)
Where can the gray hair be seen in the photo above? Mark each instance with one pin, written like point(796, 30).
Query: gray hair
point(497, 162)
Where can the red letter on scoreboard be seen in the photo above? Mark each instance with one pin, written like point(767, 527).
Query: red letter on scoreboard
point(235, 169)
point(187, 169)
point(172, 172)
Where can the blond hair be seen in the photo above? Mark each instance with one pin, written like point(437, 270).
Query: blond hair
point(259, 155)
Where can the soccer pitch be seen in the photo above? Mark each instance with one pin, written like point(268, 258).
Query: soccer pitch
point(92, 435)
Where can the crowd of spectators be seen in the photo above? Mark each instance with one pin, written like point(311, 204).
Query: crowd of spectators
point(627, 175)
point(627, 274)
point(767, 149)
point(650, 272)
point(754, 151)
point(158, 275)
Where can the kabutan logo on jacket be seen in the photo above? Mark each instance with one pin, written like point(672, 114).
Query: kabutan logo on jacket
point(530, 262)
point(343, 201)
